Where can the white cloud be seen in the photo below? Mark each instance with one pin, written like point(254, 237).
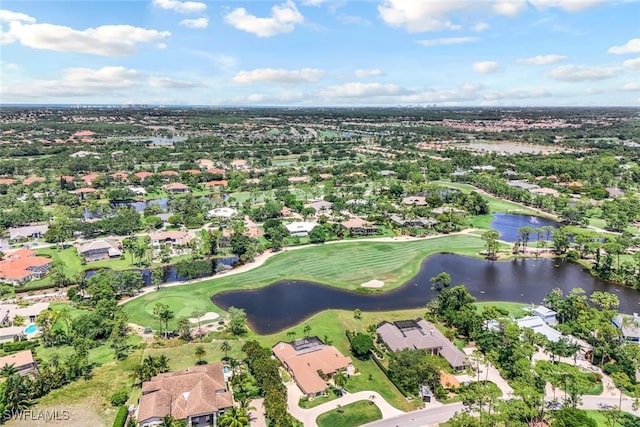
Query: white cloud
point(632, 46)
point(634, 64)
point(79, 82)
point(168, 83)
point(480, 26)
point(9, 16)
point(181, 6)
point(542, 59)
point(447, 40)
point(356, 90)
point(9, 65)
point(509, 7)
point(107, 40)
point(631, 87)
point(283, 19)
point(195, 24)
point(418, 16)
point(578, 73)
point(271, 75)
point(486, 67)
point(363, 74)
point(314, 2)
point(515, 94)
point(568, 5)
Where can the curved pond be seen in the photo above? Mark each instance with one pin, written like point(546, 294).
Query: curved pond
point(508, 224)
point(286, 303)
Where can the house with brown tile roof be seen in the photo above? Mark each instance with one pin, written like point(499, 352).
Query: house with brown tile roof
point(22, 361)
point(359, 227)
point(66, 178)
point(198, 395)
point(216, 171)
point(176, 187)
point(169, 173)
point(216, 185)
point(239, 164)
point(122, 176)
point(142, 175)
point(304, 357)
point(205, 163)
point(33, 180)
point(23, 265)
point(7, 181)
point(420, 334)
point(89, 178)
point(193, 171)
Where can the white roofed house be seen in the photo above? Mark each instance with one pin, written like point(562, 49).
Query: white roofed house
point(27, 232)
point(100, 249)
point(177, 240)
point(629, 326)
point(301, 228)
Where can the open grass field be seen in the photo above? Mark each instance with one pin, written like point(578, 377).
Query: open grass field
point(344, 265)
point(515, 309)
point(352, 415)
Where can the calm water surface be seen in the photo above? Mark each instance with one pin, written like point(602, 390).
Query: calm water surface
point(508, 225)
point(286, 303)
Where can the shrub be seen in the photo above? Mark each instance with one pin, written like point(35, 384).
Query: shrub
point(121, 417)
point(119, 398)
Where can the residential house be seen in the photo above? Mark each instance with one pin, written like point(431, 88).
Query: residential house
point(629, 326)
point(538, 325)
point(23, 265)
point(222, 213)
point(420, 334)
point(143, 175)
point(546, 314)
point(239, 164)
point(176, 188)
point(415, 201)
point(298, 179)
point(193, 171)
point(305, 357)
point(216, 185)
point(301, 228)
point(84, 191)
point(614, 192)
point(545, 191)
point(100, 249)
point(205, 163)
point(89, 178)
point(8, 181)
point(120, 176)
point(321, 206)
point(33, 180)
point(414, 222)
point(22, 361)
point(176, 240)
point(66, 178)
point(197, 395)
point(169, 173)
point(27, 232)
point(9, 312)
point(359, 227)
point(216, 171)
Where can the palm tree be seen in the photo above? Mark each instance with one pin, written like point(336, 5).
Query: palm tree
point(340, 379)
point(291, 335)
point(226, 347)
point(197, 313)
point(234, 417)
point(199, 353)
point(306, 330)
point(8, 370)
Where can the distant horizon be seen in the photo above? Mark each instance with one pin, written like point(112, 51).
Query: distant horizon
point(322, 53)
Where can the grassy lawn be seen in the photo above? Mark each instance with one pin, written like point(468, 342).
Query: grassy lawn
point(515, 309)
point(305, 403)
point(344, 265)
point(602, 420)
point(355, 414)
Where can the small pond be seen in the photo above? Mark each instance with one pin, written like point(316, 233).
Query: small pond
point(508, 224)
point(287, 303)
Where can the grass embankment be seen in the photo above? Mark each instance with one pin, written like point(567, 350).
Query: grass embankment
point(352, 415)
point(344, 265)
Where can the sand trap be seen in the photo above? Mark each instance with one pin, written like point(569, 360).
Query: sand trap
point(373, 284)
point(210, 315)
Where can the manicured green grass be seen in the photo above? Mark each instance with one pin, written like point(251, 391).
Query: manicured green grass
point(515, 309)
point(344, 265)
point(353, 415)
point(601, 419)
point(305, 403)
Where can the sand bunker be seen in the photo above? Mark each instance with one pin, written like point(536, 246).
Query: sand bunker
point(210, 315)
point(373, 284)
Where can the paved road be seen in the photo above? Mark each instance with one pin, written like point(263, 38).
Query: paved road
point(308, 416)
point(421, 417)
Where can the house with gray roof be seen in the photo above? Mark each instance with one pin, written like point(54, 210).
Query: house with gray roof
point(420, 335)
point(629, 326)
point(27, 232)
point(100, 249)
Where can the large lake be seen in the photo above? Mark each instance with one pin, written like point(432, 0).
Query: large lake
point(287, 303)
point(508, 224)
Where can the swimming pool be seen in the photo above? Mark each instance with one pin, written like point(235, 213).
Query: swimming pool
point(30, 329)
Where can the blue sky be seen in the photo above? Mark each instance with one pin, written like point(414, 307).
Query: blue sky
point(321, 52)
